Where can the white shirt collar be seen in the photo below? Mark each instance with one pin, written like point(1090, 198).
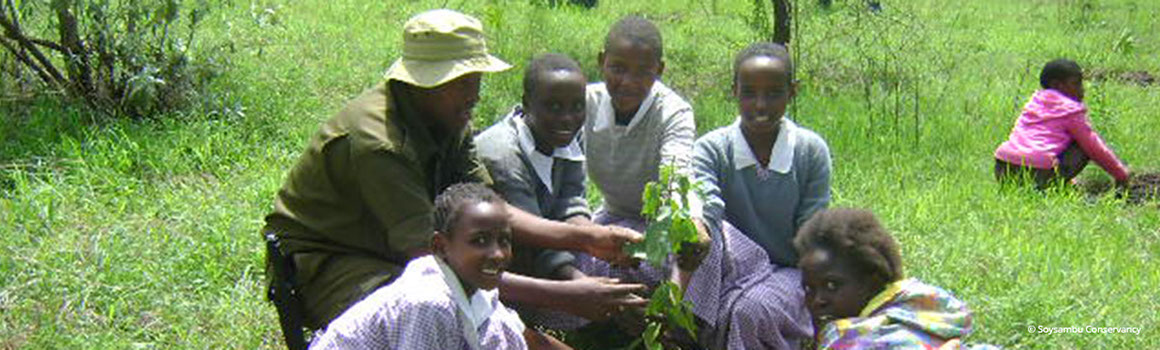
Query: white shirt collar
point(780, 159)
point(541, 163)
point(606, 115)
point(477, 308)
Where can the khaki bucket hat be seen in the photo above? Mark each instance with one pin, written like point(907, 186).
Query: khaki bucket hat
point(441, 45)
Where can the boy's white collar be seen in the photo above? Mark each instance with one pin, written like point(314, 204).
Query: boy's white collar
point(541, 163)
point(606, 115)
point(780, 159)
point(571, 151)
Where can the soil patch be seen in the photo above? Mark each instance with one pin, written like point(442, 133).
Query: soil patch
point(1144, 187)
point(1137, 77)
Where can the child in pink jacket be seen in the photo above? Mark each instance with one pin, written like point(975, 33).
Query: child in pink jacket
point(1053, 139)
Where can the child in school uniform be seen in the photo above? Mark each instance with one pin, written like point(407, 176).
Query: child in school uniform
point(553, 94)
point(535, 159)
point(763, 176)
point(1053, 139)
point(858, 297)
point(534, 156)
point(447, 300)
point(635, 124)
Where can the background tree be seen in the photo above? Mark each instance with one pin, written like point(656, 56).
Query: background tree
point(120, 58)
point(781, 21)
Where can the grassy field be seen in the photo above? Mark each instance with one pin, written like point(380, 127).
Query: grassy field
point(143, 235)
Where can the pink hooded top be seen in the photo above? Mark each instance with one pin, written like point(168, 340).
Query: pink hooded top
point(1050, 122)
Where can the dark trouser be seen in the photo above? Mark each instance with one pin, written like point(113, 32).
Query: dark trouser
point(328, 282)
point(1072, 161)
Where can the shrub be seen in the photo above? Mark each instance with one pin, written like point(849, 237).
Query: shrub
point(121, 58)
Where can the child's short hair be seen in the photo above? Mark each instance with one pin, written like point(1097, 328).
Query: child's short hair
point(856, 235)
point(449, 204)
point(548, 62)
point(1057, 70)
point(636, 30)
point(764, 49)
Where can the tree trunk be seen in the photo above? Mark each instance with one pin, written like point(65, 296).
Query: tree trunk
point(80, 71)
point(781, 21)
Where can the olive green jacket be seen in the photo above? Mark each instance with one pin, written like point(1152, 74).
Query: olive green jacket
point(367, 182)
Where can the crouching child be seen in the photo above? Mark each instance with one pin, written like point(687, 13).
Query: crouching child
point(447, 300)
point(856, 293)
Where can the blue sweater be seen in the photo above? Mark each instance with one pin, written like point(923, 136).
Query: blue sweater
point(768, 204)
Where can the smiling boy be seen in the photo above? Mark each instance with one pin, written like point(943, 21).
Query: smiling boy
point(635, 124)
point(535, 159)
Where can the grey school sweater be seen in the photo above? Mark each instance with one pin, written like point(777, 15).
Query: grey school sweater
point(517, 181)
point(621, 159)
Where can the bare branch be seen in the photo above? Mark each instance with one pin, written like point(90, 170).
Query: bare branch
point(13, 32)
point(20, 56)
point(48, 44)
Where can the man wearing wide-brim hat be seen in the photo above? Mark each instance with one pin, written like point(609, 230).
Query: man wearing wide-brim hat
point(357, 206)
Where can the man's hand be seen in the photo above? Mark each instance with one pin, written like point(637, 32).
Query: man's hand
point(607, 243)
point(598, 298)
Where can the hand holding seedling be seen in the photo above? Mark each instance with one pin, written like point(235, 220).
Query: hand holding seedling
point(692, 253)
point(608, 242)
point(671, 230)
point(671, 224)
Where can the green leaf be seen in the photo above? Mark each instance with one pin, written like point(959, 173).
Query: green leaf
point(670, 225)
point(682, 230)
point(637, 250)
point(651, 199)
point(652, 336)
point(656, 245)
point(656, 239)
point(667, 301)
point(667, 174)
point(658, 303)
point(683, 185)
point(683, 318)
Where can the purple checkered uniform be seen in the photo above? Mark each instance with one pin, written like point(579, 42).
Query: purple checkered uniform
point(744, 300)
point(421, 311)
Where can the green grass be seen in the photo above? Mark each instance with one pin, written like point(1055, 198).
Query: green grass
point(122, 234)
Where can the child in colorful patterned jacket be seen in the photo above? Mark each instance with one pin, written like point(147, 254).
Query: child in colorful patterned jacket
point(856, 293)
